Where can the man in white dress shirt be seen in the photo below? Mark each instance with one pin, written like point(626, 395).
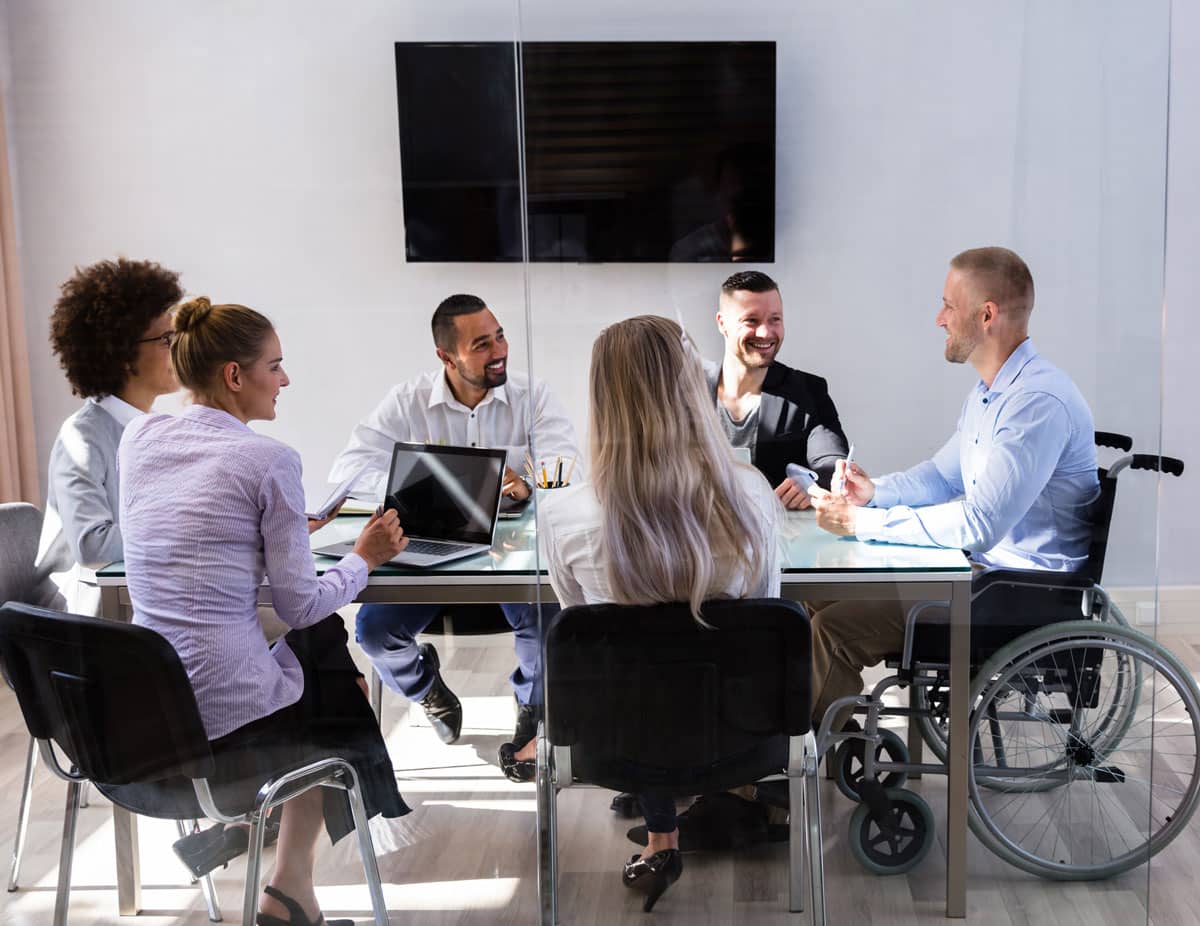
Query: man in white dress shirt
point(471, 401)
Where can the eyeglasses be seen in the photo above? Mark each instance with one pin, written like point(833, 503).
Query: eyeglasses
point(165, 339)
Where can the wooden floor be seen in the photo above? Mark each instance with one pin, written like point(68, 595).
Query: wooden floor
point(466, 853)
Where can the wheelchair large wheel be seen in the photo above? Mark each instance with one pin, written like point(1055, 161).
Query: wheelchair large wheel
point(1085, 777)
point(932, 703)
point(899, 844)
point(848, 763)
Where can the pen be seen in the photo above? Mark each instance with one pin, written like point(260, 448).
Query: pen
point(841, 486)
point(558, 474)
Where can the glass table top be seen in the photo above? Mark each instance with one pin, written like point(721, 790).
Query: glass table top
point(805, 548)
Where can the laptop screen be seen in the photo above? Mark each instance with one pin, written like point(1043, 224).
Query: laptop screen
point(446, 493)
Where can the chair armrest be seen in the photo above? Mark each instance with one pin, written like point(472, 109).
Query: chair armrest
point(1028, 578)
point(924, 612)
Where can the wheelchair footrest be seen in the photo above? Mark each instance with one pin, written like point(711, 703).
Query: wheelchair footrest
point(1063, 715)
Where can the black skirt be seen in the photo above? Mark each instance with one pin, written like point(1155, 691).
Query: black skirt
point(332, 718)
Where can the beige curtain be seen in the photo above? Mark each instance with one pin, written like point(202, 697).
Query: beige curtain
point(18, 456)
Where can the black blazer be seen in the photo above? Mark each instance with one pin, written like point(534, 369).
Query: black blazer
point(797, 423)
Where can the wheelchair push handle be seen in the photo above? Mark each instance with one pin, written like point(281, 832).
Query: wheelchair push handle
point(1122, 442)
point(1153, 461)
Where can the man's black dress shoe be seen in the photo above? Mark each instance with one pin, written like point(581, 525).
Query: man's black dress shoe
point(652, 875)
point(441, 705)
point(216, 846)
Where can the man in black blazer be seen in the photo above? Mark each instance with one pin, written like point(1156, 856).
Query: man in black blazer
point(779, 414)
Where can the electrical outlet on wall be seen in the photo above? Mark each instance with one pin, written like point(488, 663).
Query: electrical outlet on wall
point(1145, 612)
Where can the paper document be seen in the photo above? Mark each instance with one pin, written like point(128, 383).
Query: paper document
point(338, 495)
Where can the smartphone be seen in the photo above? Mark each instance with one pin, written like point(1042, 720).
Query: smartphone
point(801, 475)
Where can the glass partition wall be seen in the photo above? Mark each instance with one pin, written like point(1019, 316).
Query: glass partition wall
point(617, 160)
point(899, 138)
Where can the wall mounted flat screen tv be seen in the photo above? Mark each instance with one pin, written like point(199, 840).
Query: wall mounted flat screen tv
point(634, 151)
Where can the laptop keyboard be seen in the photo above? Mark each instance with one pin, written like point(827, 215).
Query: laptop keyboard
point(434, 547)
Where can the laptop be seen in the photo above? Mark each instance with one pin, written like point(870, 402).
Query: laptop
point(448, 499)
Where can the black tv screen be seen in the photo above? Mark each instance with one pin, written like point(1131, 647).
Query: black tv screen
point(634, 151)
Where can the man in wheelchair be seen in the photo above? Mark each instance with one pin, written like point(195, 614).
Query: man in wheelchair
point(1014, 486)
point(1084, 734)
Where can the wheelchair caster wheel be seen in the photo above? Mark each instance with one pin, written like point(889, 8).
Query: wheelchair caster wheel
point(898, 843)
point(848, 763)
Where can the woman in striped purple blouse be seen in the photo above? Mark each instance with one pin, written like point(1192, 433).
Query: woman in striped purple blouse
point(208, 507)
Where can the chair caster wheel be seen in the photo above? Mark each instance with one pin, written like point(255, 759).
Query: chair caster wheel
point(897, 843)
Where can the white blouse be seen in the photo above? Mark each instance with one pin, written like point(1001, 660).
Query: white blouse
point(570, 522)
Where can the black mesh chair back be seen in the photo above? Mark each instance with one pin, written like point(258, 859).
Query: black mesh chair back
point(650, 700)
point(113, 697)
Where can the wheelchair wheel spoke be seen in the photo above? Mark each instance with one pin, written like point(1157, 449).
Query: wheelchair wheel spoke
point(1068, 778)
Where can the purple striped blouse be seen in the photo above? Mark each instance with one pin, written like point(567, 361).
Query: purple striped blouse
point(208, 507)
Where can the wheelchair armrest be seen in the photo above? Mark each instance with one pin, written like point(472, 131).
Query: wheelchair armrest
point(925, 612)
point(1029, 578)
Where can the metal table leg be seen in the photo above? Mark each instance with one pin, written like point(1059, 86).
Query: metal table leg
point(956, 792)
point(129, 875)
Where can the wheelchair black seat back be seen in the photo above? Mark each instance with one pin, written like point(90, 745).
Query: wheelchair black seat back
point(1006, 603)
point(1067, 779)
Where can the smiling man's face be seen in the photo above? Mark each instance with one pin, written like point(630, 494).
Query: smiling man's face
point(480, 355)
point(752, 324)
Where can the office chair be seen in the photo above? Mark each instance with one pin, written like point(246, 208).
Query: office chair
point(115, 700)
point(645, 699)
point(22, 580)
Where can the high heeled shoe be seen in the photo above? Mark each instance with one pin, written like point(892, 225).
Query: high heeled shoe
point(209, 849)
point(652, 875)
point(514, 769)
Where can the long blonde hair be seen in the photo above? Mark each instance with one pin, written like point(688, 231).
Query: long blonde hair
point(677, 521)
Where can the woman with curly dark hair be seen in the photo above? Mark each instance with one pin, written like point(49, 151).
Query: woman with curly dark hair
point(111, 330)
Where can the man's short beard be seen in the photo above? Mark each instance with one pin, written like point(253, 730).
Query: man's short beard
point(959, 351)
point(486, 381)
point(758, 361)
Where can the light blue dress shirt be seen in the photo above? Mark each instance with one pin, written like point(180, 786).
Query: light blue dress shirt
point(1015, 485)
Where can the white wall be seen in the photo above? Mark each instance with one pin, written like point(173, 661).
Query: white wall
point(254, 147)
point(1179, 536)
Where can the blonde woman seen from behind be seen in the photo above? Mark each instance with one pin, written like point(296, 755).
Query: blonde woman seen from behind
point(670, 516)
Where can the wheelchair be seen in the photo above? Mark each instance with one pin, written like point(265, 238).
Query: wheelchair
point(1084, 733)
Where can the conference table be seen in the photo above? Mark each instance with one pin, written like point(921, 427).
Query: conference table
point(817, 566)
